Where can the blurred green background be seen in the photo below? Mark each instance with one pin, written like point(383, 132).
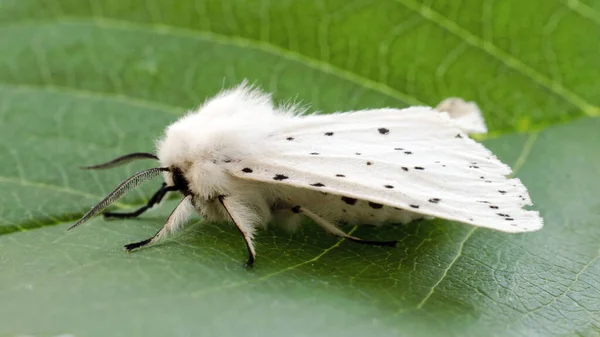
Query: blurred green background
point(84, 81)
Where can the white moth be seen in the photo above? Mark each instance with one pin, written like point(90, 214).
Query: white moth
point(240, 158)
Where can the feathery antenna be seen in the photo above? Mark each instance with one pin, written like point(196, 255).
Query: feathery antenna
point(124, 187)
point(121, 160)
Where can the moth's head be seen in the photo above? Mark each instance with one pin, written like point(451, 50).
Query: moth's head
point(175, 180)
point(175, 177)
point(193, 152)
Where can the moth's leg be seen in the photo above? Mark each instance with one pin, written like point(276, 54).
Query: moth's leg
point(331, 228)
point(155, 199)
point(177, 218)
point(239, 216)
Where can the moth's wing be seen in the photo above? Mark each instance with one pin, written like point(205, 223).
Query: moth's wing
point(415, 159)
point(467, 115)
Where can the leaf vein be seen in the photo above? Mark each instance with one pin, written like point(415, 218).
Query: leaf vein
point(265, 277)
point(583, 9)
point(568, 289)
point(525, 152)
point(445, 273)
point(510, 61)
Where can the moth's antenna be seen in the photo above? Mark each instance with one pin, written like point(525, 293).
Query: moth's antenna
point(124, 187)
point(121, 160)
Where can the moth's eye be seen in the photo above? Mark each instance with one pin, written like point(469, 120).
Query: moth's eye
point(179, 180)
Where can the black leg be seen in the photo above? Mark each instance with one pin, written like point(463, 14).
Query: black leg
point(250, 261)
point(156, 198)
point(374, 243)
point(138, 244)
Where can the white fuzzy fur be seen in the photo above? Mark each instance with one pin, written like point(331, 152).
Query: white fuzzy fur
point(241, 128)
point(178, 217)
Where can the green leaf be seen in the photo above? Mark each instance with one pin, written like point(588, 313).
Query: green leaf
point(84, 81)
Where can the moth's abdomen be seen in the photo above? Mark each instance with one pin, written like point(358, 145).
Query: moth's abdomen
point(342, 209)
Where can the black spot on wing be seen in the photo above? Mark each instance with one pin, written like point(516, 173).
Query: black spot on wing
point(407, 152)
point(290, 138)
point(434, 200)
point(358, 153)
point(317, 185)
point(314, 153)
point(414, 206)
point(280, 177)
point(369, 163)
point(375, 205)
point(340, 175)
point(349, 201)
point(383, 131)
point(398, 149)
point(328, 133)
point(247, 170)
point(388, 186)
point(419, 168)
point(493, 207)
point(502, 192)
point(405, 168)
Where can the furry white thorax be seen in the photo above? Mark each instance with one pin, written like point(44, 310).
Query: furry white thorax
point(229, 126)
